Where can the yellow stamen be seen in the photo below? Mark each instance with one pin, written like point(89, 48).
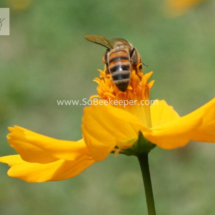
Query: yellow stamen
point(135, 99)
point(95, 96)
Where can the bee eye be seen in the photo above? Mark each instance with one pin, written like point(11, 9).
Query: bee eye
point(132, 52)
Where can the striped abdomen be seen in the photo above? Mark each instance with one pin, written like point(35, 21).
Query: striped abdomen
point(120, 69)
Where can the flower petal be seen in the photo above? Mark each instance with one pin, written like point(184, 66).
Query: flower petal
point(162, 113)
point(54, 171)
point(11, 160)
point(105, 127)
point(38, 148)
point(206, 131)
point(198, 125)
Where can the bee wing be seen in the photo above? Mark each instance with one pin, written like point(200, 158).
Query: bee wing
point(99, 40)
point(115, 40)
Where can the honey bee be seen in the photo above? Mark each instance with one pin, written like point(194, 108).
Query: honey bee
point(120, 59)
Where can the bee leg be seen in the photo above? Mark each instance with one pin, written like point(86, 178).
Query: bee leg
point(139, 70)
point(105, 61)
point(106, 69)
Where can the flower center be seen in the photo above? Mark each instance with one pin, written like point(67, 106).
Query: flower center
point(134, 100)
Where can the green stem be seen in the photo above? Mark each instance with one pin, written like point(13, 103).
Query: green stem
point(144, 164)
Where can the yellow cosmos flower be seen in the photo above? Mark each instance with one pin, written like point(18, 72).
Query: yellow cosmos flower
point(120, 122)
point(178, 7)
point(119, 126)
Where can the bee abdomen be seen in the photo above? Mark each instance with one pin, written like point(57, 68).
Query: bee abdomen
point(119, 58)
point(120, 69)
point(121, 76)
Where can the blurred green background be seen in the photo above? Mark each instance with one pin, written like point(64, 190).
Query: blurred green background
point(46, 58)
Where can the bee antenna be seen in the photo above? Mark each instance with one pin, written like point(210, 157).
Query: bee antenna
point(145, 64)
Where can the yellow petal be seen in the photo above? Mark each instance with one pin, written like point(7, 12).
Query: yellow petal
point(198, 125)
point(206, 131)
point(162, 113)
point(38, 148)
point(105, 127)
point(11, 160)
point(54, 171)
